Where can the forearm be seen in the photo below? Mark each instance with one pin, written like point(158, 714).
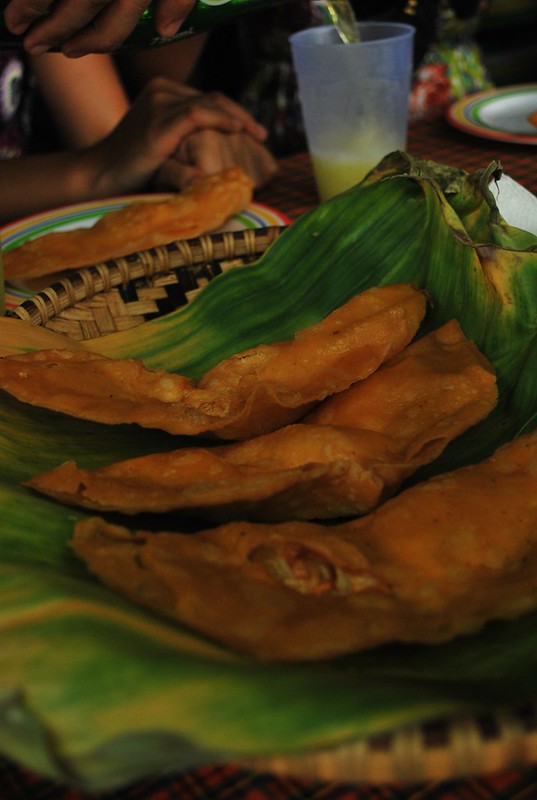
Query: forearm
point(85, 96)
point(124, 162)
point(33, 183)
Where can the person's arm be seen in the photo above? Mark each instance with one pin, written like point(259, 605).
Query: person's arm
point(79, 27)
point(87, 100)
point(126, 161)
point(85, 96)
point(207, 151)
point(30, 184)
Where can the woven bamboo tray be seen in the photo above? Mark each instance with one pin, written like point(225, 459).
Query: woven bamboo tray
point(126, 292)
point(465, 746)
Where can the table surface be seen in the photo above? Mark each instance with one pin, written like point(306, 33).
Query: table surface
point(293, 192)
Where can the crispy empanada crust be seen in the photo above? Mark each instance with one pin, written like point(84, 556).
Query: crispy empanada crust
point(201, 207)
point(397, 419)
point(297, 472)
point(245, 395)
point(425, 396)
point(439, 560)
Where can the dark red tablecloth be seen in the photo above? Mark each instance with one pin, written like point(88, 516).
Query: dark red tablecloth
point(293, 192)
point(226, 782)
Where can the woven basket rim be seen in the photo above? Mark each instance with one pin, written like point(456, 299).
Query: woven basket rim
point(452, 748)
point(85, 283)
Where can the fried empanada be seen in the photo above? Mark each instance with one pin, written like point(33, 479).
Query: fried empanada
point(248, 394)
point(439, 560)
point(201, 207)
point(297, 472)
point(281, 382)
point(434, 390)
point(424, 397)
point(114, 391)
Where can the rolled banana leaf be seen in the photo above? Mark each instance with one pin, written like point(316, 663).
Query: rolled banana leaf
point(95, 691)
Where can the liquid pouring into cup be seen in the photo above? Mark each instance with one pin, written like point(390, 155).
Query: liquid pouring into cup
point(340, 13)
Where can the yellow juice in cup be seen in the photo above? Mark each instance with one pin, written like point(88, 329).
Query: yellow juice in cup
point(338, 168)
point(335, 172)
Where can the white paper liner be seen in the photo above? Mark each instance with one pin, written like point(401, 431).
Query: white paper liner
point(517, 205)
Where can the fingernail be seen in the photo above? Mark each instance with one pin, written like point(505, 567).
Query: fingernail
point(18, 29)
point(37, 49)
point(169, 29)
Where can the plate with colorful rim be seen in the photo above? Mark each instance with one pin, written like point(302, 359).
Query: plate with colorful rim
point(498, 114)
point(84, 215)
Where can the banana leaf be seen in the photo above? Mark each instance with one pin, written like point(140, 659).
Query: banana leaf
point(97, 692)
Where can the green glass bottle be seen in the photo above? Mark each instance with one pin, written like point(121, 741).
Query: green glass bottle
point(205, 14)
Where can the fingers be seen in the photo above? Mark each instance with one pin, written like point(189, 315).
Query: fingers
point(106, 30)
point(212, 151)
point(168, 107)
point(174, 175)
point(198, 118)
point(76, 27)
point(19, 14)
point(169, 16)
point(220, 101)
point(248, 123)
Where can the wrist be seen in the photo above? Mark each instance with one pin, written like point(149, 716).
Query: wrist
point(85, 179)
point(102, 172)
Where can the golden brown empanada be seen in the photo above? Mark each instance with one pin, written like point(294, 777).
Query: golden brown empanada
point(439, 560)
point(245, 395)
point(392, 422)
point(201, 207)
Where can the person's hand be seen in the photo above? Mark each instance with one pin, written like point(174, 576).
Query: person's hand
point(151, 134)
point(78, 27)
point(208, 151)
point(221, 102)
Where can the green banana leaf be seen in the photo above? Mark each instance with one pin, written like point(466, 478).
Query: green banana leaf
point(97, 692)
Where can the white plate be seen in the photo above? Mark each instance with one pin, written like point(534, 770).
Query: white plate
point(499, 114)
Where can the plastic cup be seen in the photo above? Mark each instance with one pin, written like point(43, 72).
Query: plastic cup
point(354, 98)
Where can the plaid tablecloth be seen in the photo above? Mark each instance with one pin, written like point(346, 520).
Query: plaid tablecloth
point(293, 192)
point(226, 782)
